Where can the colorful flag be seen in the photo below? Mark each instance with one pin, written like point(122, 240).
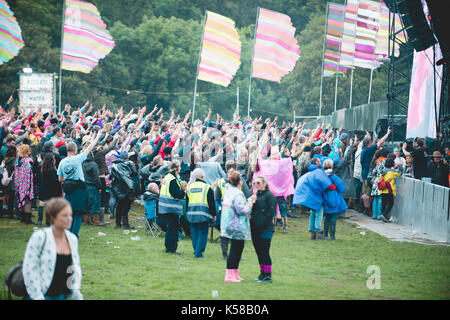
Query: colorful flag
point(366, 34)
point(10, 34)
point(421, 109)
point(333, 40)
point(276, 50)
point(85, 39)
point(349, 33)
point(221, 50)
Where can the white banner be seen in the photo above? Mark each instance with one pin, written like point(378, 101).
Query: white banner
point(37, 91)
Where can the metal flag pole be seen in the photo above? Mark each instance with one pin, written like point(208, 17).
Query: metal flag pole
point(198, 64)
point(60, 58)
point(237, 101)
point(335, 91)
point(251, 66)
point(351, 88)
point(323, 57)
point(370, 84)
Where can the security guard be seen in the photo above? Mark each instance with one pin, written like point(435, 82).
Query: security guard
point(201, 210)
point(171, 197)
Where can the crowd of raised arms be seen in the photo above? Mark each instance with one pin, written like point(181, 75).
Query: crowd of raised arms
point(242, 177)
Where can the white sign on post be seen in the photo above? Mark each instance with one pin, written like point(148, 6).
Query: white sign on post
point(37, 90)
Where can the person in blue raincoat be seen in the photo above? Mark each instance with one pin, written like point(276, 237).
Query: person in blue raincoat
point(309, 193)
point(334, 202)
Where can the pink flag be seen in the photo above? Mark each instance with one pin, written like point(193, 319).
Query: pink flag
point(279, 175)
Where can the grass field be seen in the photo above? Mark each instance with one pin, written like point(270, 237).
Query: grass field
point(302, 269)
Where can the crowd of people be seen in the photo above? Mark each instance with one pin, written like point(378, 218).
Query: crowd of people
point(190, 176)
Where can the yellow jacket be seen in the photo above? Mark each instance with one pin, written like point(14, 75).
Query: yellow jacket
point(390, 177)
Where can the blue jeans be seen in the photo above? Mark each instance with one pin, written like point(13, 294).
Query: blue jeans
point(93, 200)
point(376, 206)
point(199, 235)
point(315, 220)
point(77, 220)
point(282, 206)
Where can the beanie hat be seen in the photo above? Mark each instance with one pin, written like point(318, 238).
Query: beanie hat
point(59, 144)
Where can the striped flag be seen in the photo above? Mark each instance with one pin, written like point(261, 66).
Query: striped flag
point(276, 50)
point(366, 33)
point(333, 40)
point(349, 33)
point(85, 39)
point(221, 50)
point(10, 34)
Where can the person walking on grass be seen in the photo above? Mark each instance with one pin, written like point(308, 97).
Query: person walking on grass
point(235, 224)
point(201, 210)
point(51, 264)
point(309, 193)
point(334, 202)
point(262, 228)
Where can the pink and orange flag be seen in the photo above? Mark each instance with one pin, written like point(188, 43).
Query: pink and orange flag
point(276, 50)
point(86, 39)
point(221, 50)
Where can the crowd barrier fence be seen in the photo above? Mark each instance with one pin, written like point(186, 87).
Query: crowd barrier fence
point(423, 206)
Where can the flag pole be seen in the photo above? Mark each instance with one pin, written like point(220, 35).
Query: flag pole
point(335, 91)
point(198, 64)
point(237, 101)
point(60, 58)
point(370, 84)
point(251, 65)
point(323, 56)
point(351, 88)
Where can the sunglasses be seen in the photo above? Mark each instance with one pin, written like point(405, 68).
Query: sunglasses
point(258, 183)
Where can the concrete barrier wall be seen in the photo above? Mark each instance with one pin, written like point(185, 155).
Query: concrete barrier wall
point(363, 117)
point(422, 206)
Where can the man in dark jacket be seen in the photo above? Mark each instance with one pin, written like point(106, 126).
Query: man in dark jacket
point(99, 158)
point(92, 179)
point(171, 196)
point(438, 170)
point(122, 175)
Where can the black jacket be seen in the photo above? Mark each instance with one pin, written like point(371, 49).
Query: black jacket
point(99, 158)
point(263, 212)
point(50, 186)
point(91, 172)
point(122, 175)
point(439, 175)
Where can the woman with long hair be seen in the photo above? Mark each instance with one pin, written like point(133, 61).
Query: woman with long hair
point(23, 182)
point(50, 185)
point(261, 223)
point(235, 224)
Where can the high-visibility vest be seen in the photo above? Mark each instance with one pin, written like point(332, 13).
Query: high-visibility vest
point(221, 186)
point(198, 209)
point(167, 203)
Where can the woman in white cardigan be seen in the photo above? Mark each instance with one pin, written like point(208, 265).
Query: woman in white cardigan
point(51, 266)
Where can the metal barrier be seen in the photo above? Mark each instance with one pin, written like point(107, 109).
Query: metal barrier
point(422, 206)
point(363, 117)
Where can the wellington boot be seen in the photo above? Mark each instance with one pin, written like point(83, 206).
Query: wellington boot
point(96, 221)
